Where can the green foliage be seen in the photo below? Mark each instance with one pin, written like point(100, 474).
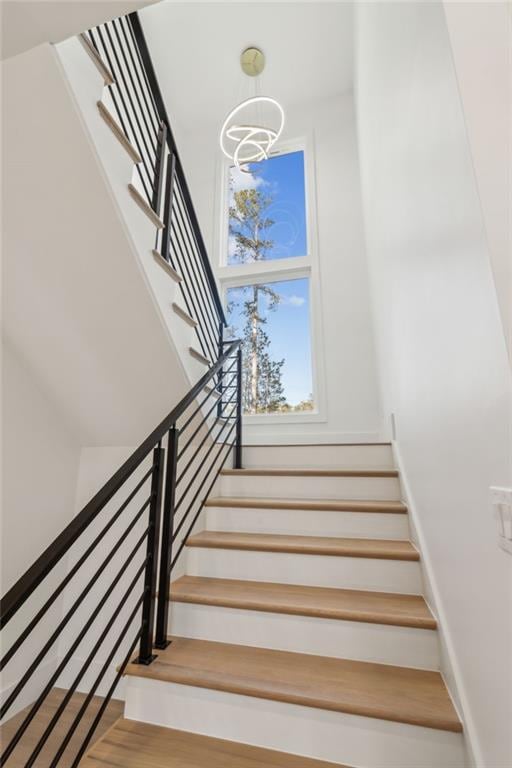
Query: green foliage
point(263, 390)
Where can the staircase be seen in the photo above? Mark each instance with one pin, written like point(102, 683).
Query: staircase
point(293, 632)
point(299, 626)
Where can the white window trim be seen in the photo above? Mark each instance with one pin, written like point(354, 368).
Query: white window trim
point(282, 269)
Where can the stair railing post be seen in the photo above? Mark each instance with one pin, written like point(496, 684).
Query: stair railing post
point(169, 193)
point(160, 150)
point(166, 545)
point(238, 436)
point(220, 375)
point(146, 655)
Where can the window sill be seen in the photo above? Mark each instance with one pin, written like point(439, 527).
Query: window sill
point(261, 419)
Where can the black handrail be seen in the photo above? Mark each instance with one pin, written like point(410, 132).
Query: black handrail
point(222, 437)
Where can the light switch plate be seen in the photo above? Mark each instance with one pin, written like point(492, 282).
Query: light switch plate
point(501, 500)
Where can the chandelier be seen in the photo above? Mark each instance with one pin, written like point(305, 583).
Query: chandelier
point(253, 126)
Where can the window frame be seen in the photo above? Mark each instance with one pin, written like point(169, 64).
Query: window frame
point(276, 270)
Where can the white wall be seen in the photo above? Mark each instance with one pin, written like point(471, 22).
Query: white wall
point(40, 459)
point(443, 361)
point(41, 455)
point(481, 39)
point(77, 302)
point(344, 332)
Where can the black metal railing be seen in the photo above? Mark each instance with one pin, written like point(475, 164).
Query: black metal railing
point(137, 101)
point(102, 586)
point(73, 621)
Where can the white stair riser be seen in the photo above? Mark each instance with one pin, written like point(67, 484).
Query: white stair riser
point(313, 570)
point(385, 644)
point(299, 522)
point(331, 736)
point(319, 456)
point(287, 487)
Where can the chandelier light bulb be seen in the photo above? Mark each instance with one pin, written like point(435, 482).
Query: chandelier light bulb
point(244, 143)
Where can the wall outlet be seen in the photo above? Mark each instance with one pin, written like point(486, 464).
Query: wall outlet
point(501, 500)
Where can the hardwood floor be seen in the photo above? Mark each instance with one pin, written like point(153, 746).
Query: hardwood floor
point(130, 744)
point(31, 736)
point(399, 694)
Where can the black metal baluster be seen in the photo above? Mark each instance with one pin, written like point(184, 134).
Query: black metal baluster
point(159, 170)
point(238, 438)
point(148, 607)
point(167, 534)
point(169, 193)
point(221, 372)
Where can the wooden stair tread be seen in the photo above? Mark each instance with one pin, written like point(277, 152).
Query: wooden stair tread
point(165, 265)
point(412, 696)
point(145, 207)
point(96, 59)
point(305, 472)
point(184, 315)
point(334, 505)
point(199, 356)
point(308, 545)
point(118, 132)
point(131, 744)
point(322, 602)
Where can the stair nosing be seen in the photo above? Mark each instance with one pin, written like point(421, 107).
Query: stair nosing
point(367, 617)
point(199, 356)
point(255, 542)
point(145, 207)
point(168, 267)
point(324, 505)
point(311, 472)
point(96, 59)
point(192, 322)
point(109, 119)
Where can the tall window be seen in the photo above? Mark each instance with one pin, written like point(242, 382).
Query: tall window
point(267, 210)
point(272, 319)
point(266, 223)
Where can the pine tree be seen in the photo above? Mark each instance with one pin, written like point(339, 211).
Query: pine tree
point(248, 224)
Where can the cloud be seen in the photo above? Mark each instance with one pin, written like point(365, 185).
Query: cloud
point(296, 301)
point(231, 246)
point(241, 180)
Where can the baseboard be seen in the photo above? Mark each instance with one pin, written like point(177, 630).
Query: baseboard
point(73, 668)
point(449, 666)
point(31, 690)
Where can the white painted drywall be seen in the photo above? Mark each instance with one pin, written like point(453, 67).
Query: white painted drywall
point(443, 361)
point(41, 453)
point(481, 40)
point(40, 460)
point(77, 304)
point(345, 332)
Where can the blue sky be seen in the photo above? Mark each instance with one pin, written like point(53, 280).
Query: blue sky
point(282, 178)
point(288, 328)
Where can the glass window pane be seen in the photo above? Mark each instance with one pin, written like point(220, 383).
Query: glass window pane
point(267, 210)
point(272, 319)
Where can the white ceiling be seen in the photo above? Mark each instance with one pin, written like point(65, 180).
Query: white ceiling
point(196, 48)
point(27, 24)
